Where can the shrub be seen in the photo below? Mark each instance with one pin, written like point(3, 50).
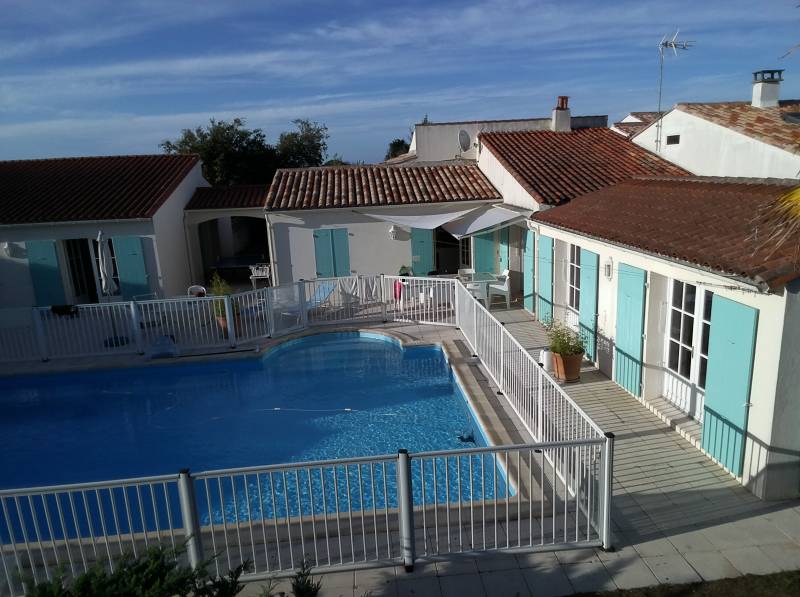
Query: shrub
point(563, 340)
point(303, 584)
point(219, 287)
point(156, 573)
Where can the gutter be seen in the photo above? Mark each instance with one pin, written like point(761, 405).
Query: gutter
point(759, 287)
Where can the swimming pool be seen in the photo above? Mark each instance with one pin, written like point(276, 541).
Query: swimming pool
point(334, 395)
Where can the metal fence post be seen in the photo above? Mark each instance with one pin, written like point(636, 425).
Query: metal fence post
point(405, 504)
point(383, 298)
point(191, 522)
point(502, 359)
point(136, 328)
point(270, 313)
point(539, 408)
point(231, 322)
point(608, 490)
point(38, 331)
point(456, 304)
point(301, 297)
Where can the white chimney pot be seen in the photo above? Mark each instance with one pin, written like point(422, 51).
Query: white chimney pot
point(766, 88)
point(561, 121)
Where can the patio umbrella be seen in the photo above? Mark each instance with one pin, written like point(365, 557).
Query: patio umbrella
point(108, 286)
point(105, 265)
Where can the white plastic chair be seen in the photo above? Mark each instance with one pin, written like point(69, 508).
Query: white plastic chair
point(502, 289)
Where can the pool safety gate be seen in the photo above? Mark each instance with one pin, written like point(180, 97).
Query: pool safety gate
point(554, 493)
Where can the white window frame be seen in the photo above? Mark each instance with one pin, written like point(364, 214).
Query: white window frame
point(700, 325)
point(574, 279)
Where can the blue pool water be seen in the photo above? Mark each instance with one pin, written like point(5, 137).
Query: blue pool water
point(320, 397)
point(317, 398)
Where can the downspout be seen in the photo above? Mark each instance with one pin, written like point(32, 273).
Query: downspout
point(271, 246)
point(188, 250)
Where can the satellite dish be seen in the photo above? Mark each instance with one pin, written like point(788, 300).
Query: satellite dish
point(464, 140)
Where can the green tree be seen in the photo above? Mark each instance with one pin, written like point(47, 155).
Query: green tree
point(307, 146)
point(231, 153)
point(397, 147)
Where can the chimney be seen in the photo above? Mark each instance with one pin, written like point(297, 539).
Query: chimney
point(561, 121)
point(766, 88)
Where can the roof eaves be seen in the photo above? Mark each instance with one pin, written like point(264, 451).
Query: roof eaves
point(761, 285)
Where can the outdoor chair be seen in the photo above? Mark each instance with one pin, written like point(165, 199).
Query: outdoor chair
point(503, 288)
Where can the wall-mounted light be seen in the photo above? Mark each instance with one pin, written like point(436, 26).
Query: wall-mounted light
point(608, 268)
point(393, 232)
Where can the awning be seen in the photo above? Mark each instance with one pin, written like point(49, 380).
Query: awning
point(427, 217)
point(486, 219)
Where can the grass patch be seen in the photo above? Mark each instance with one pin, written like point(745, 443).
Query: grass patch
point(782, 584)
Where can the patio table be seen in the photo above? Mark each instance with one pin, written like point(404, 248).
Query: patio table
point(479, 278)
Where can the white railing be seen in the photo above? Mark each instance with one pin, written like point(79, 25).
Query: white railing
point(68, 528)
point(554, 493)
point(342, 513)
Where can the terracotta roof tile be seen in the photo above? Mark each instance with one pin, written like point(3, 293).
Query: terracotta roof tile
point(556, 167)
point(234, 197)
point(630, 128)
point(92, 188)
point(709, 222)
point(779, 126)
point(361, 186)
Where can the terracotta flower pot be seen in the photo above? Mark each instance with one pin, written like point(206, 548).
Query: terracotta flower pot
point(567, 367)
point(222, 322)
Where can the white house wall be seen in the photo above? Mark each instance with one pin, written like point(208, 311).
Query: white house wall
point(708, 149)
point(787, 414)
point(371, 249)
point(771, 308)
point(174, 271)
point(435, 142)
point(16, 286)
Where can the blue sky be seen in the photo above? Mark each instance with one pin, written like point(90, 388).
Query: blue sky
point(84, 77)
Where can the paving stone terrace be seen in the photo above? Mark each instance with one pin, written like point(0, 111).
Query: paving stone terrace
point(678, 517)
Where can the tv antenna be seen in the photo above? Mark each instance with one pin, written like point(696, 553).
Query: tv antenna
point(667, 43)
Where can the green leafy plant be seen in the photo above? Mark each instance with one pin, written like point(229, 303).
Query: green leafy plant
point(563, 340)
point(219, 287)
point(156, 573)
point(404, 271)
point(303, 584)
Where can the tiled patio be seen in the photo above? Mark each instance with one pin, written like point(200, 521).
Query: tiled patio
point(677, 516)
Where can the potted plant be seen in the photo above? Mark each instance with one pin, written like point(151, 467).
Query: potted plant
point(568, 349)
point(220, 287)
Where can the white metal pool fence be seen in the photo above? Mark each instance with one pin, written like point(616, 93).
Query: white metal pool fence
point(383, 510)
point(551, 494)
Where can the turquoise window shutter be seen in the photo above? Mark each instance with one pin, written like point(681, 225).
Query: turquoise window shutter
point(133, 279)
point(422, 260)
point(544, 304)
point(503, 248)
point(483, 248)
point(323, 253)
point(630, 328)
point(48, 286)
point(587, 316)
point(731, 347)
point(528, 271)
point(341, 251)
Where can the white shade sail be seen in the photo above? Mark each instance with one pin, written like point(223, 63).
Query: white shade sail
point(486, 219)
point(427, 217)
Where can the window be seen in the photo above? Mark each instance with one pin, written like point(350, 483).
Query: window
point(687, 308)
point(681, 328)
point(673, 139)
point(705, 331)
point(574, 298)
point(464, 246)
